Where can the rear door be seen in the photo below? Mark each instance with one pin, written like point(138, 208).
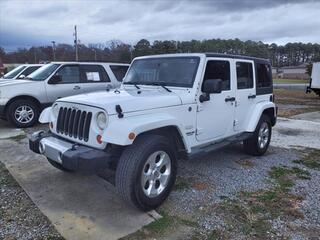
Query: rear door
point(245, 93)
point(69, 85)
point(94, 78)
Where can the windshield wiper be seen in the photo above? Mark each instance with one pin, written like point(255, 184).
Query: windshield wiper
point(133, 83)
point(161, 85)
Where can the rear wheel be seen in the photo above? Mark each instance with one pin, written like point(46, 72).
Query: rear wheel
point(258, 144)
point(23, 113)
point(146, 172)
point(58, 166)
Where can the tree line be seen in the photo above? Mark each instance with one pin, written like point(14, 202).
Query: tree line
point(290, 54)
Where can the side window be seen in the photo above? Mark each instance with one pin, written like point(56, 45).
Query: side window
point(264, 75)
point(218, 70)
point(119, 71)
point(69, 74)
point(94, 73)
point(29, 70)
point(244, 75)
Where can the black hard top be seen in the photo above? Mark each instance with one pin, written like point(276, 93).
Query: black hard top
point(222, 55)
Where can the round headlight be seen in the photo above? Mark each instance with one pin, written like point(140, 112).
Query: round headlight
point(55, 110)
point(102, 120)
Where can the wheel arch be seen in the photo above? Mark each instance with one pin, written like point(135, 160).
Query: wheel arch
point(267, 108)
point(171, 132)
point(22, 97)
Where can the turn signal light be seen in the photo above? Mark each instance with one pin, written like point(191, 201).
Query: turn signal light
point(51, 125)
point(131, 136)
point(99, 139)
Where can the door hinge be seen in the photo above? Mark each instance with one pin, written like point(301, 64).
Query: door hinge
point(199, 131)
point(199, 108)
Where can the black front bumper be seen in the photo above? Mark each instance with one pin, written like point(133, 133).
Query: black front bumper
point(78, 157)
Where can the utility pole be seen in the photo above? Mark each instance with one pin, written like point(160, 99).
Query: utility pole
point(76, 42)
point(95, 54)
point(54, 50)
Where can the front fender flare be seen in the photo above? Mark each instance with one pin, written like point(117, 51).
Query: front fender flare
point(118, 131)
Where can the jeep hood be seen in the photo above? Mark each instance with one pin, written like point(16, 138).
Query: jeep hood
point(129, 100)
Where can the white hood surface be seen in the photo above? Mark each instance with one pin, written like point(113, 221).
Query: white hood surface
point(129, 100)
point(7, 82)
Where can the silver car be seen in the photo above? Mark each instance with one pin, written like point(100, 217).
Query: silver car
point(22, 100)
point(21, 71)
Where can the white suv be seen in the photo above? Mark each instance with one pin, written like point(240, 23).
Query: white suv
point(21, 101)
point(169, 107)
point(20, 72)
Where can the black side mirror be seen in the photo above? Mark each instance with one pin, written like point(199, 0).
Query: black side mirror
point(210, 86)
point(55, 79)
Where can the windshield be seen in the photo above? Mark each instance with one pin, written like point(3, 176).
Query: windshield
point(43, 72)
point(167, 71)
point(13, 73)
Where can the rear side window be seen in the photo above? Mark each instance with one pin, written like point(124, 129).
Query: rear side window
point(94, 73)
point(29, 70)
point(244, 75)
point(218, 70)
point(119, 71)
point(264, 77)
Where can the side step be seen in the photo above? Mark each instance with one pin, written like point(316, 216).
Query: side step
point(198, 152)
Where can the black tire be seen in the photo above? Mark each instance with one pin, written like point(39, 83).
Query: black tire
point(251, 145)
point(58, 166)
point(131, 166)
point(12, 117)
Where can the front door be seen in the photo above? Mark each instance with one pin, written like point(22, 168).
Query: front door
point(245, 94)
point(69, 85)
point(215, 117)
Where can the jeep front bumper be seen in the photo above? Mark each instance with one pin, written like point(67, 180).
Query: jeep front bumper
point(71, 156)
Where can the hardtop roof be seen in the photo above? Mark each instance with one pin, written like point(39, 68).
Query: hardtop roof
point(217, 55)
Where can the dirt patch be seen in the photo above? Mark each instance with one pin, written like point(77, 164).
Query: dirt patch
point(293, 102)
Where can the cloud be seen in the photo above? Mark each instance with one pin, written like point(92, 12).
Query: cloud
point(24, 23)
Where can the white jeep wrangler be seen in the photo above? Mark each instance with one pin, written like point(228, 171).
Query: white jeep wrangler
point(169, 107)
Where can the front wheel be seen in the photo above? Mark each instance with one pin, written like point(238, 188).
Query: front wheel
point(23, 113)
point(146, 172)
point(258, 144)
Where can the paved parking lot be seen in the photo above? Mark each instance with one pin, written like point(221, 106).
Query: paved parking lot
point(83, 207)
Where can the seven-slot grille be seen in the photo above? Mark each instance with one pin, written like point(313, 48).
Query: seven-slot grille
point(74, 123)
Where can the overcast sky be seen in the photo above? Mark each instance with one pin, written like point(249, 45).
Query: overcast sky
point(34, 22)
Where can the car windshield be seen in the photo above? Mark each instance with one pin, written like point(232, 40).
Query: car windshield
point(43, 72)
point(166, 71)
point(13, 73)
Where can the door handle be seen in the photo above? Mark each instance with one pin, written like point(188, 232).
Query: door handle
point(230, 99)
point(252, 96)
point(76, 87)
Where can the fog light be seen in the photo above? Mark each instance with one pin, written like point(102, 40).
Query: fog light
point(131, 136)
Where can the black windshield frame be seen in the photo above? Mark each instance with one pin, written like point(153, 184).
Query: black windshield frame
point(165, 83)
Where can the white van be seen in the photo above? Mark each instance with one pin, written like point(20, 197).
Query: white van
point(315, 79)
